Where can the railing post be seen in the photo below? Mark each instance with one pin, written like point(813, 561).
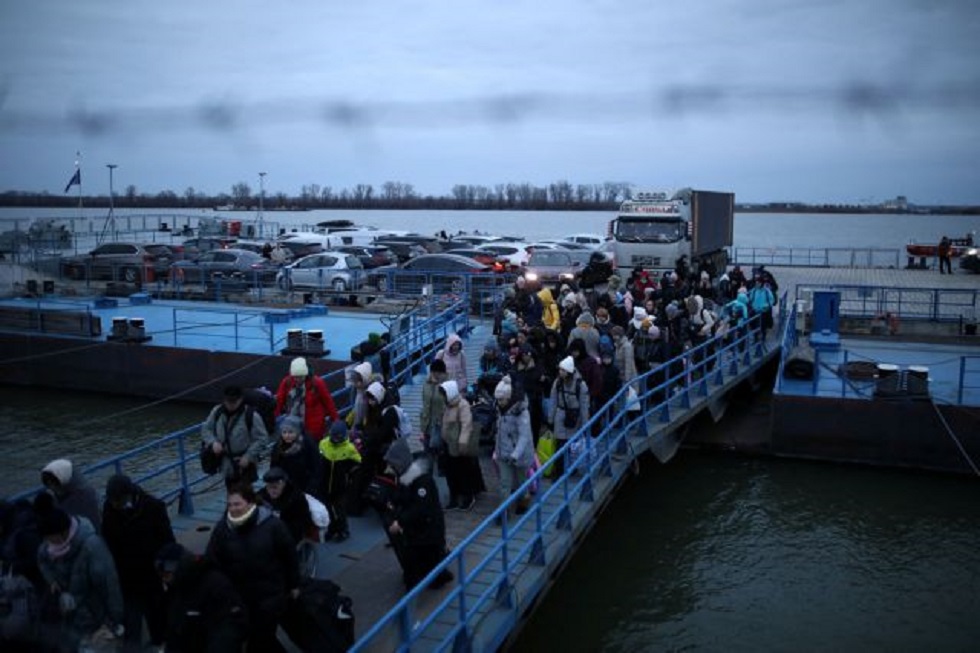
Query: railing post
point(959, 392)
point(185, 504)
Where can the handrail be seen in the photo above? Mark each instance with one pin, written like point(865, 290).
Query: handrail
point(426, 334)
point(708, 363)
point(825, 257)
point(935, 304)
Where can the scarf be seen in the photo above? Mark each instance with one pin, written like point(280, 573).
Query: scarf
point(296, 400)
point(56, 551)
point(238, 522)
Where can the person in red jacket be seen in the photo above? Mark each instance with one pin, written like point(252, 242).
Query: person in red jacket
point(306, 396)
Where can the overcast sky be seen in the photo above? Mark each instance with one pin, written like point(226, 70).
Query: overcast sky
point(840, 100)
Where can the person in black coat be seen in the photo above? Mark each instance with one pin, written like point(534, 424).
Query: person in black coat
point(135, 525)
point(206, 614)
point(417, 525)
point(288, 503)
point(255, 550)
point(296, 454)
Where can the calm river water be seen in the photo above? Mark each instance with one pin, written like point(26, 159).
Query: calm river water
point(707, 553)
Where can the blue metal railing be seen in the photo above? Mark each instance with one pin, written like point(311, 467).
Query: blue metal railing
point(485, 577)
point(936, 304)
point(180, 475)
point(820, 257)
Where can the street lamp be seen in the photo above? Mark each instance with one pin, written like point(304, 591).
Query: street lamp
point(261, 204)
point(112, 214)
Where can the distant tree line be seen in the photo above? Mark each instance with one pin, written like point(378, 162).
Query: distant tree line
point(560, 195)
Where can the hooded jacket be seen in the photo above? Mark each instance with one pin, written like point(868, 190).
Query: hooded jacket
point(88, 573)
point(433, 404)
point(75, 496)
point(316, 403)
point(339, 460)
point(551, 316)
point(455, 363)
point(417, 508)
point(568, 396)
point(134, 535)
point(515, 443)
point(299, 460)
point(586, 332)
point(457, 424)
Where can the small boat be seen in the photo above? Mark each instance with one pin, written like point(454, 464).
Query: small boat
point(958, 247)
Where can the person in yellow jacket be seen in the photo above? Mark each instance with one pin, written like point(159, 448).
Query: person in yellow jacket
point(341, 457)
point(550, 316)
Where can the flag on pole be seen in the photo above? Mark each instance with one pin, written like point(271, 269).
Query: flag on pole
point(75, 179)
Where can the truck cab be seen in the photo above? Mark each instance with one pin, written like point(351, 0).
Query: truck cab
point(654, 229)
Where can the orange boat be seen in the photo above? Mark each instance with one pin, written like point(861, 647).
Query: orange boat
point(958, 246)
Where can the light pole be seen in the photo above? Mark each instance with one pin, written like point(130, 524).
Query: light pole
point(261, 205)
point(112, 213)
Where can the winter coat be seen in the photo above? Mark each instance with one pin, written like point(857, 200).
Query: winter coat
point(570, 395)
point(88, 573)
point(589, 337)
point(338, 462)
point(75, 496)
point(455, 363)
point(625, 359)
point(292, 509)
point(457, 428)
point(300, 461)
point(231, 430)
point(259, 557)
point(611, 384)
point(761, 299)
point(550, 316)
point(134, 536)
point(514, 440)
point(316, 407)
point(417, 508)
point(205, 613)
point(433, 403)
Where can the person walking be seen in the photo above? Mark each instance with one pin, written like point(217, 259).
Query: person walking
point(455, 359)
point(433, 407)
point(514, 450)
point(944, 251)
point(306, 396)
point(82, 582)
point(569, 405)
point(71, 491)
point(341, 458)
point(254, 549)
point(463, 474)
point(296, 454)
point(206, 613)
point(135, 526)
point(416, 517)
point(237, 435)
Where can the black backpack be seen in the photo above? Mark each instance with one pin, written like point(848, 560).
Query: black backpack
point(323, 619)
point(262, 403)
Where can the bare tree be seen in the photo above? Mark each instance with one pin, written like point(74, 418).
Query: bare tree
point(240, 193)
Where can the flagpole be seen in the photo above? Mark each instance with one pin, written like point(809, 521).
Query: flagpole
point(78, 168)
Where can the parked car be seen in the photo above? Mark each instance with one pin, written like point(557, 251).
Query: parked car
point(446, 274)
point(337, 271)
point(589, 240)
point(130, 262)
point(194, 247)
point(516, 253)
point(370, 256)
point(479, 255)
point(229, 264)
point(300, 247)
point(403, 250)
point(552, 267)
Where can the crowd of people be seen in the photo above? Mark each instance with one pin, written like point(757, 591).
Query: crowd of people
point(113, 571)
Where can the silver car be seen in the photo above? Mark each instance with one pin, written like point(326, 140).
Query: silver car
point(335, 271)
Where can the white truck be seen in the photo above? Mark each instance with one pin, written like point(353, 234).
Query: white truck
point(655, 229)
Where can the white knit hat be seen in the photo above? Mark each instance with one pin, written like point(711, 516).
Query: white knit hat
point(299, 367)
point(503, 390)
point(567, 364)
point(377, 391)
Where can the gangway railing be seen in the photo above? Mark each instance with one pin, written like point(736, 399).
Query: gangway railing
point(503, 564)
point(169, 466)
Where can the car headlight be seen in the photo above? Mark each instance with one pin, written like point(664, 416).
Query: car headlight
point(971, 252)
point(531, 276)
point(566, 275)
